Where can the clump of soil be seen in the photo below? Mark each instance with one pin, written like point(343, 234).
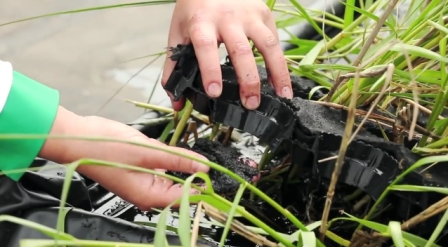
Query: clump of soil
point(227, 157)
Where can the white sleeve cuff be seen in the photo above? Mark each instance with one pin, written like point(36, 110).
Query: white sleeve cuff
point(5, 82)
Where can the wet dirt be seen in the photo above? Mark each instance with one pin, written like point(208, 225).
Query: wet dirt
point(227, 157)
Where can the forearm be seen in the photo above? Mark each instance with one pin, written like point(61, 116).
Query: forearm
point(29, 108)
point(69, 150)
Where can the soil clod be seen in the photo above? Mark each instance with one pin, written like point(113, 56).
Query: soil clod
point(225, 156)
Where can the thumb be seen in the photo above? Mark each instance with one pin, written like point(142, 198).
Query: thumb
point(174, 38)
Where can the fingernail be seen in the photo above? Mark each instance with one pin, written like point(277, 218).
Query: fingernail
point(199, 167)
point(286, 92)
point(214, 89)
point(252, 102)
point(256, 178)
point(170, 95)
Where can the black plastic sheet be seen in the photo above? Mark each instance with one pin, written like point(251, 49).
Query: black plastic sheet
point(36, 197)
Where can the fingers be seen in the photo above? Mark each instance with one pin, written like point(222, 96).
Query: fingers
point(250, 162)
point(169, 194)
point(242, 58)
point(204, 39)
point(253, 164)
point(174, 38)
point(163, 160)
point(266, 40)
point(144, 190)
point(159, 192)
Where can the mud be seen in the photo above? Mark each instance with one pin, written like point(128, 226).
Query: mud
point(227, 157)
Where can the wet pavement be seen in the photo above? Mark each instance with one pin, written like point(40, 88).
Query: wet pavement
point(86, 56)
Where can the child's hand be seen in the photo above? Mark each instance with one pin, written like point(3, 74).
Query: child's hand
point(207, 24)
point(142, 189)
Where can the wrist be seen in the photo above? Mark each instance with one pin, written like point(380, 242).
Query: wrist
point(65, 151)
point(65, 123)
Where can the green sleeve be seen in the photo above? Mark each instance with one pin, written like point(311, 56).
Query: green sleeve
point(30, 108)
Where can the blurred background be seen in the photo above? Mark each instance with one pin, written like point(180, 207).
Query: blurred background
point(86, 56)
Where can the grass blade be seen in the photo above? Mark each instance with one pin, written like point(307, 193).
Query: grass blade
point(349, 14)
point(438, 230)
point(310, 58)
point(137, 4)
point(414, 188)
point(184, 230)
point(78, 243)
point(231, 214)
point(419, 51)
point(38, 227)
point(307, 239)
point(394, 230)
point(160, 237)
point(383, 228)
point(305, 15)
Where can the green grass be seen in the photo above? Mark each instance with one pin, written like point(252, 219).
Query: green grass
point(407, 65)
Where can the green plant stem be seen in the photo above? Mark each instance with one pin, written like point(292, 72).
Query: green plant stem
point(403, 65)
point(280, 209)
point(413, 30)
point(264, 159)
point(36, 226)
point(334, 41)
point(183, 121)
point(438, 144)
point(215, 130)
point(374, 33)
point(72, 167)
point(441, 99)
point(135, 4)
point(440, 226)
point(327, 22)
point(79, 243)
point(231, 214)
point(151, 106)
point(305, 15)
point(268, 177)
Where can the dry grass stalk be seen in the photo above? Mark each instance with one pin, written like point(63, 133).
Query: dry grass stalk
point(434, 209)
point(238, 227)
point(341, 157)
point(351, 117)
point(195, 230)
point(373, 117)
point(413, 85)
point(227, 136)
point(365, 47)
point(365, 74)
point(389, 73)
point(192, 128)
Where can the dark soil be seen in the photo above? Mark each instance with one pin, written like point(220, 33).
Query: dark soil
point(227, 157)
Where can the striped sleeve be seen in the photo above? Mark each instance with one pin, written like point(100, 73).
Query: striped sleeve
point(26, 107)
